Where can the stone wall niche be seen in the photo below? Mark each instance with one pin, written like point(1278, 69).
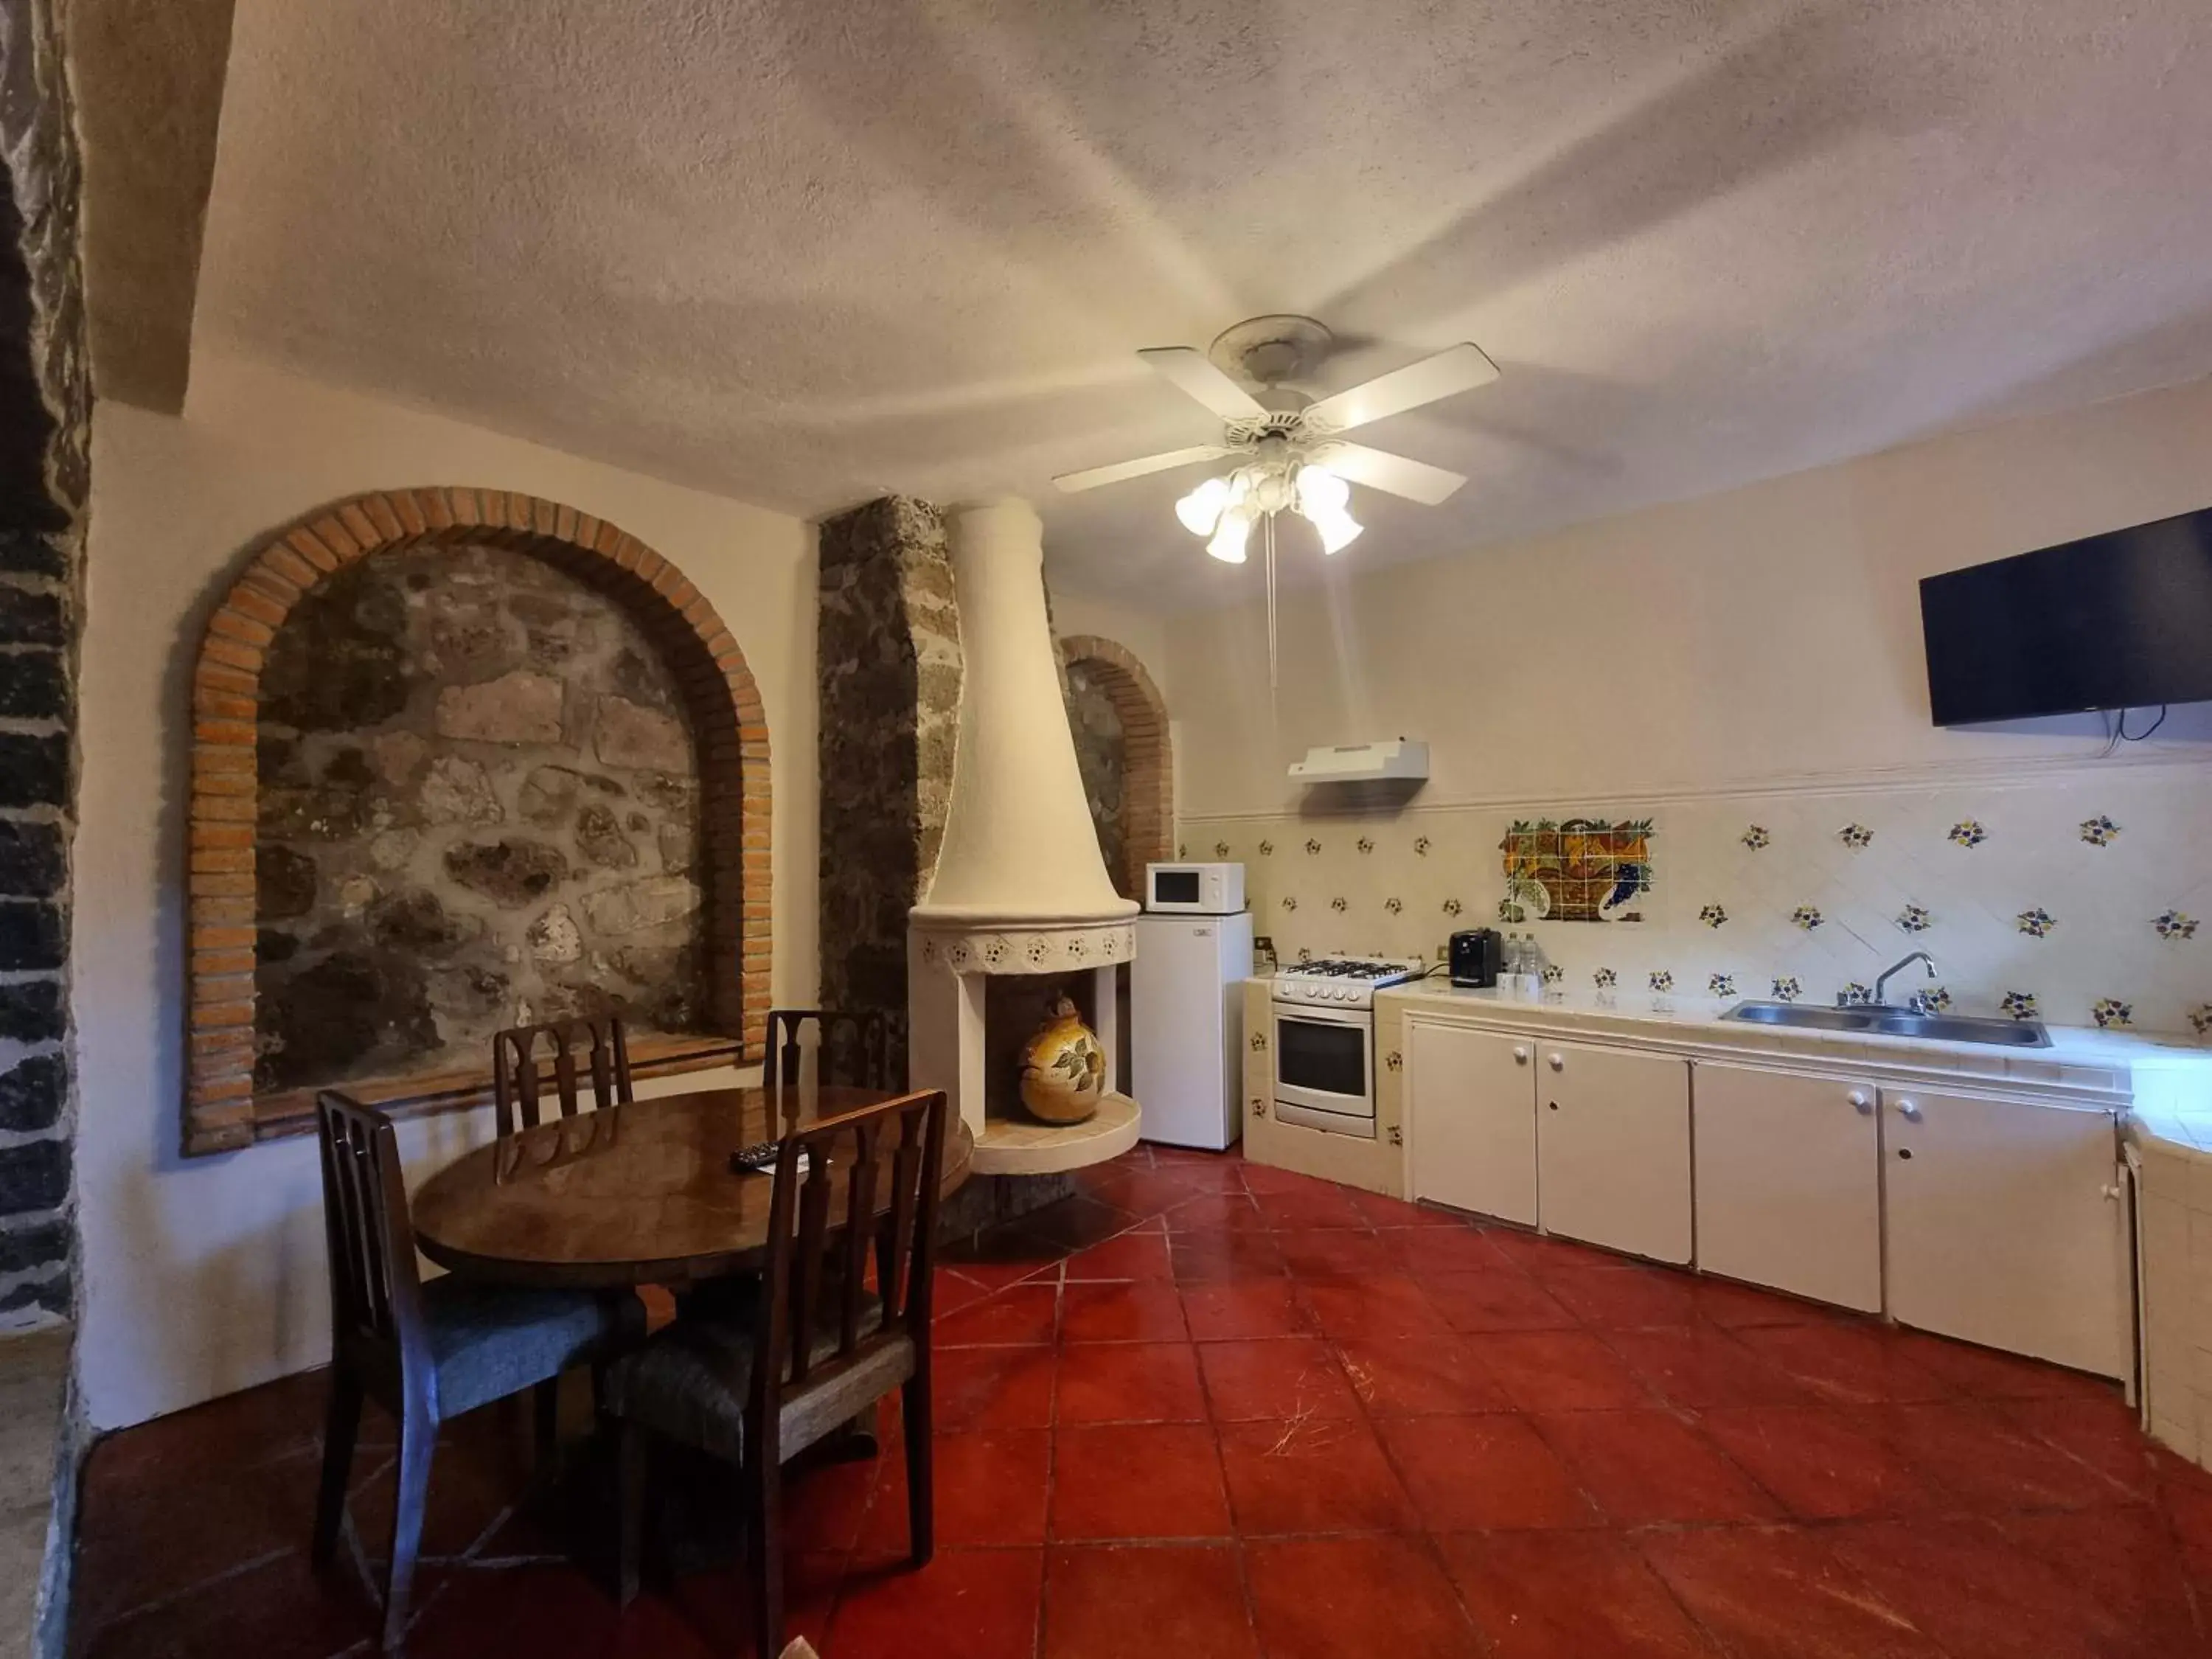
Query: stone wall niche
point(465, 759)
point(1119, 723)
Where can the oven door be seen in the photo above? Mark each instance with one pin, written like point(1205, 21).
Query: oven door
point(1325, 1068)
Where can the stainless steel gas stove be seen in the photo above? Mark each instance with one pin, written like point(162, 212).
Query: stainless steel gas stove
point(1324, 1019)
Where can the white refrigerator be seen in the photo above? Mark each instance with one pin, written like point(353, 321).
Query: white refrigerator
point(1187, 1026)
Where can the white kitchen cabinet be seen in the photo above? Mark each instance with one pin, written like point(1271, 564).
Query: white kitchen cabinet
point(1788, 1182)
point(1613, 1148)
point(2005, 1225)
point(1471, 1110)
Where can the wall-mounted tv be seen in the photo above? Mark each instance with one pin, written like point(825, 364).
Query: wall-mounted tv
point(2118, 621)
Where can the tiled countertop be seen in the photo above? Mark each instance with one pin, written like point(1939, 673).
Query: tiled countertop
point(2168, 1083)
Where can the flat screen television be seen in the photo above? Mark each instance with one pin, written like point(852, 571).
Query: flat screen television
point(2118, 621)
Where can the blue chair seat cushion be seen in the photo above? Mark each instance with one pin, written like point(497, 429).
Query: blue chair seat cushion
point(690, 1383)
point(487, 1341)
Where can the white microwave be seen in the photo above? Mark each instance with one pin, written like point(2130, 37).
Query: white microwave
point(1206, 889)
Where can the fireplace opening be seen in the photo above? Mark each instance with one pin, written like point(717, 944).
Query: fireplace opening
point(1016, 1006)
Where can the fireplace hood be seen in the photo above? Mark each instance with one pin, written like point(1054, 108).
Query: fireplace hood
point(1019, 848)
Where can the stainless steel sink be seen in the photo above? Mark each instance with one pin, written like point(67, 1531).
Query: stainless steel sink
point(1896, 1022)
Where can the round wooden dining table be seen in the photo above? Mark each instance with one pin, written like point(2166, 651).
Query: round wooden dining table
point(637, 1195)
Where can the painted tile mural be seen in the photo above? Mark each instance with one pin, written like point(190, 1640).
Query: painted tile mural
point(1581, 870)
point(2075, 901)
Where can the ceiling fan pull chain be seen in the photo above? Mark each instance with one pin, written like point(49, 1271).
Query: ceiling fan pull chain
point(1269, 531)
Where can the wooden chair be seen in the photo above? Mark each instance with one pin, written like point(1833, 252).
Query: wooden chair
point(860, 1050)
point(517, 1083)
point(424, 1353)
point(790, 1358)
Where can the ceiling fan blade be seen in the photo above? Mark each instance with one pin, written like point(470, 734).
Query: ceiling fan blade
point(1195, 375)
point(1091, 479)
point(1417, 480)
point(1455, 369)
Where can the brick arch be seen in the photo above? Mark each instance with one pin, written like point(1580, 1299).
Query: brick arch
point(728, 725)
point(1147, 762)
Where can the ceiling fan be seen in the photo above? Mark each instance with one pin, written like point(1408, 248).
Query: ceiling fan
point(1293, 456)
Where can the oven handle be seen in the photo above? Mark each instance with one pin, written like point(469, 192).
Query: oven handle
point(1323, 1016)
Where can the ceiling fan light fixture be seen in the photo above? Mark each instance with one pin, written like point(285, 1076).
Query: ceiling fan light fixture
point(1321, 491)
point(1338, 529)
point(1236, 528)
point(1200, 510)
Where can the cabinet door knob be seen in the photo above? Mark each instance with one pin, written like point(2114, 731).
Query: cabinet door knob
point(1558, 1062)
point(1860, 1099)
point(1908, 1111)
point(1520, 1056)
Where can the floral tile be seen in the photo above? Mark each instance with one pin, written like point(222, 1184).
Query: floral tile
point(1365, 844)
point(1756, 837)
point(1856, 836)
point(2020, 1005)
point(1554, 973)
point(1787, 989)
point(2036, 923)
point(1661, 980)
point(1854, 995)
point(1313, 845)
point(1914, 919)
point(1604, 979)
point(2200, 1019)
point(1394, 905)
point(2172, 924)
point(1935, 999)
point(1968, 833)
point(1421, 844)
point(1339, 905)
point(1721, 984)
point(1712, 915)
point(1452, 907)
point(1806, 916)
point(1267, 849)
point(1221, 850)
point(2100, 831)
point(2110, 1012)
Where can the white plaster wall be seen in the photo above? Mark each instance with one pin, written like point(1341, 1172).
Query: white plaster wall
point(1144, 634)
point(1753, 658)
point(1768, 635)
point(205, 1275)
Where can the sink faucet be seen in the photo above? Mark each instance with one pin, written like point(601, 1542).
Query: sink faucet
point(1883, 979)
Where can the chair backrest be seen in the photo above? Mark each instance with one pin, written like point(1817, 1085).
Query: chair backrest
point(376, 1294)
point(859, 1050)
point(888, 1158)
point(518, 1084)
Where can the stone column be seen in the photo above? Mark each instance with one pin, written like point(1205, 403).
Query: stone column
point(46, 423)
point(889, 668)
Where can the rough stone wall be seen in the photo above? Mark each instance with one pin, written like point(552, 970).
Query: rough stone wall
point(1102, 755)
point(46, 426)
point(1143, 816)
point(478, 806)
point(890, 668)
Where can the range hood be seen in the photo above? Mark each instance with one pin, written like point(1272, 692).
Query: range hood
point(1400, 759)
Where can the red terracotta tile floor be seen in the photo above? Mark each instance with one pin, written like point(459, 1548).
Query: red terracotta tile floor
point(1210, 1408)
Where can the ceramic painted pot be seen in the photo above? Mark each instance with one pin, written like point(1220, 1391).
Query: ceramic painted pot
point(1063, 1068)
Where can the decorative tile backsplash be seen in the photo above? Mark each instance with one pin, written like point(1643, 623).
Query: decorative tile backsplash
point(2075, 901)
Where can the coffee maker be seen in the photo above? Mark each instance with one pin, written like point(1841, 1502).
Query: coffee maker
point(1475, 953)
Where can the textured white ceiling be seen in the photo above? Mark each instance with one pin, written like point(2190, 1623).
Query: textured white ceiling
point(803, 251)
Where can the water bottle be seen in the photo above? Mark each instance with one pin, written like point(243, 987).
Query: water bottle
point(1537, 961)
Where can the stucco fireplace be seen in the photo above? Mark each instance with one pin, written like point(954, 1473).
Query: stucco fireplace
point(1020, 890)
